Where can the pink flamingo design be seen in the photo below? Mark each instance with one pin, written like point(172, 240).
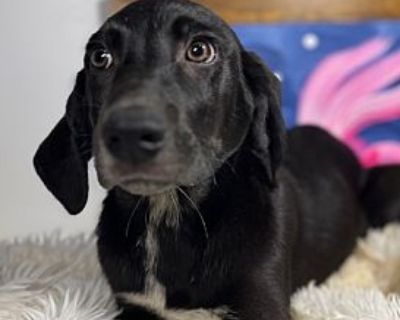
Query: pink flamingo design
point(347, 94)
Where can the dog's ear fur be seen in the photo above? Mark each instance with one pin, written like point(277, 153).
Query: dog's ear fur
point(62, 159)
point(267, 132)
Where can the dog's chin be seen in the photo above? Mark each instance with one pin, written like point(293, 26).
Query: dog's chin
point(146, 188)
point(135, 183)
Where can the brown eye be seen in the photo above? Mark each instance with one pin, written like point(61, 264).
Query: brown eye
point(201, 52)
point(101, 59)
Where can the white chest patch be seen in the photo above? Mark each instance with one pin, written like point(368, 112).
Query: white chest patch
point(153, 289)
point(166, 208)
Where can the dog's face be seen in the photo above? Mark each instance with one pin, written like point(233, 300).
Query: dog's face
point(166, 96)
point(162, 76)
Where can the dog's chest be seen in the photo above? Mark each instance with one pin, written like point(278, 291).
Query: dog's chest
point(176, 277)
point(178, 265)
point(173, 265)
point(147, 254)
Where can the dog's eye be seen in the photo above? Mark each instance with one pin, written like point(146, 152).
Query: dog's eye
point(101, 59)
point(201, 52)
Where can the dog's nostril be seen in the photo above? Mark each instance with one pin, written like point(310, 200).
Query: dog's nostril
point(152, 141)
point(148, 137)
point(114, 139)
point(114, 142)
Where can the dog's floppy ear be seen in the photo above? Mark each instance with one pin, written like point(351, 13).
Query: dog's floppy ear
point(267, 132)
point(62, 159)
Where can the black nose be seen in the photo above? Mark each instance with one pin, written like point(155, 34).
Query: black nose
point(133, 136)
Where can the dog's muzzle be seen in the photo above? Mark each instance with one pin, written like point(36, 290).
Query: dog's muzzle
point(134, 136)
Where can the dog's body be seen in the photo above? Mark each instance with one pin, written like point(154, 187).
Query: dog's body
point(213, 212)
point(262, 243)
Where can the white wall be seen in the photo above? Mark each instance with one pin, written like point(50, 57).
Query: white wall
point(41, 49)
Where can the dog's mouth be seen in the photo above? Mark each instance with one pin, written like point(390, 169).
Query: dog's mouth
point(146, 185)
point(164, 173)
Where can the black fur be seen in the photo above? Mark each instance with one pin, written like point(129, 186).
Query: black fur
point(381, 196)
point(62, 158)
point(136, 312)
point(280, 209)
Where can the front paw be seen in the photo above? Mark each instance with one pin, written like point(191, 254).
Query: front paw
point(134, 312)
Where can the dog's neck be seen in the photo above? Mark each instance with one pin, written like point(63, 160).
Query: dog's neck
point(164, 207)
point(170, 208)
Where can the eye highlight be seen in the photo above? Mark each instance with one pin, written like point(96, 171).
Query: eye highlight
point(201, 51)
point(101, 59)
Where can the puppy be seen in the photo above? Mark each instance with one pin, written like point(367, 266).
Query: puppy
point(213, 210)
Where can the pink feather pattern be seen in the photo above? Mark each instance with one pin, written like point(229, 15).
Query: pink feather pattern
point(347, 94)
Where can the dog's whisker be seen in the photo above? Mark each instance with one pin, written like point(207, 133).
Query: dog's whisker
point(192, 203)
point(128, 225)
point(229, 165)
point(86, 145)
point(176, 204)
point(214, 178)
point(210, 168)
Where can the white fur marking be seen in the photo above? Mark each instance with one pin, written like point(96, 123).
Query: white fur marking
point(165, 207)
point(177, 314)
point(153, 289)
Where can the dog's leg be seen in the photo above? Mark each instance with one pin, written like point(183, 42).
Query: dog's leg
point(264, 293)
point(139, 307)
point(135, 312)
point(264, 304)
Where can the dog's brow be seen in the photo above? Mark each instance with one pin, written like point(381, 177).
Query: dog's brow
point(185, 25)
point(111, 36)
point(95, 40)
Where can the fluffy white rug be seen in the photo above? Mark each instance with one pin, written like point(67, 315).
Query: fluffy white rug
point(51, 278)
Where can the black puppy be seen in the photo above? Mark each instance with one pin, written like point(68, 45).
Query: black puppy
point(207, 216)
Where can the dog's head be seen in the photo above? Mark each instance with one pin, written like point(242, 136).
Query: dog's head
point(167, 94)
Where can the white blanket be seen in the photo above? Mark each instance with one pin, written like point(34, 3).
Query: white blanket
point(51, 278)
